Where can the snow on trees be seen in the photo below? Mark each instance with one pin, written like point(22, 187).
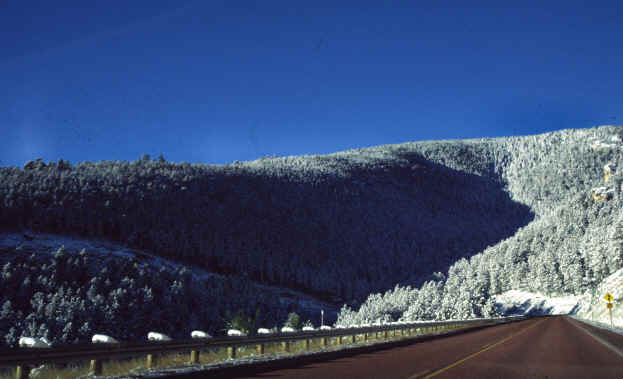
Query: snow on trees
point(293, 322)
point(527, 220)
point(385, 307)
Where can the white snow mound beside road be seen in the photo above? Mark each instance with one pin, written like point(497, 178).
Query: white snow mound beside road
point(529, 303)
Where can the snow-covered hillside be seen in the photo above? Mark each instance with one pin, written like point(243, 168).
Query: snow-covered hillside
point(67, 289)
point(102, 251)
point(527, 303)
point(592, 306)
point(447, 227)
point(575, 240)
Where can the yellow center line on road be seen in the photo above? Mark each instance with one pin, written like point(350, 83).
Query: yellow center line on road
point(419, 374)
point(488, 347)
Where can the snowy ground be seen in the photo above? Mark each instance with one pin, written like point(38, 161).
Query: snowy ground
point(49, 243)
point(593, 305)
point(589, 306)
point(528, 303)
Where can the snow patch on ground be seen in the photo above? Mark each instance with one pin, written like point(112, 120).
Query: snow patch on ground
point(100, 249)
point(529, 303)
point(589, 306)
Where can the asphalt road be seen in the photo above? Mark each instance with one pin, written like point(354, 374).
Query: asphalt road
point(553, 347)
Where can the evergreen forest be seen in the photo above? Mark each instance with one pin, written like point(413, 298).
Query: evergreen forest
point(413, 231)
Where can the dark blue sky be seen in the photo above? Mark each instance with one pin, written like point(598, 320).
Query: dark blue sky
point(218, 81)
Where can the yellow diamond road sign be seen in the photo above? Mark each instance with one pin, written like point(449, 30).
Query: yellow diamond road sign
point(609, 297)
point(609, 305)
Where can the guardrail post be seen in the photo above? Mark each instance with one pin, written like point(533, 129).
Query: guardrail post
point(231, 352)
point(324, 341)
point(365, 337)
point(385, 334)
point(194, 356)
point(96, 367)
point(339, 340)
point(285, 345)
point(152, 361)
point(22, 372)
point(260, 348)
point(353, 338)
point(307, 344)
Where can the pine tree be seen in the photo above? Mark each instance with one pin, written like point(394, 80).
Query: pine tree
point(293, 321)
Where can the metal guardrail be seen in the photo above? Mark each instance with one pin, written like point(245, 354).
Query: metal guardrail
point(24, 358)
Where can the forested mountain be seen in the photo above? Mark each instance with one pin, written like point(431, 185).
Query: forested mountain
point(343, 225)
point(573, 243)
point(457, 221)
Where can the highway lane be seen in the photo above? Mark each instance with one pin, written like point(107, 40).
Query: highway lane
point(554, 347)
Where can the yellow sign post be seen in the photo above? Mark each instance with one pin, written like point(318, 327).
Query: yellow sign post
point(609, 299)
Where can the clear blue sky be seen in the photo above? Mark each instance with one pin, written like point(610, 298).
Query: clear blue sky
point(217, 81)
